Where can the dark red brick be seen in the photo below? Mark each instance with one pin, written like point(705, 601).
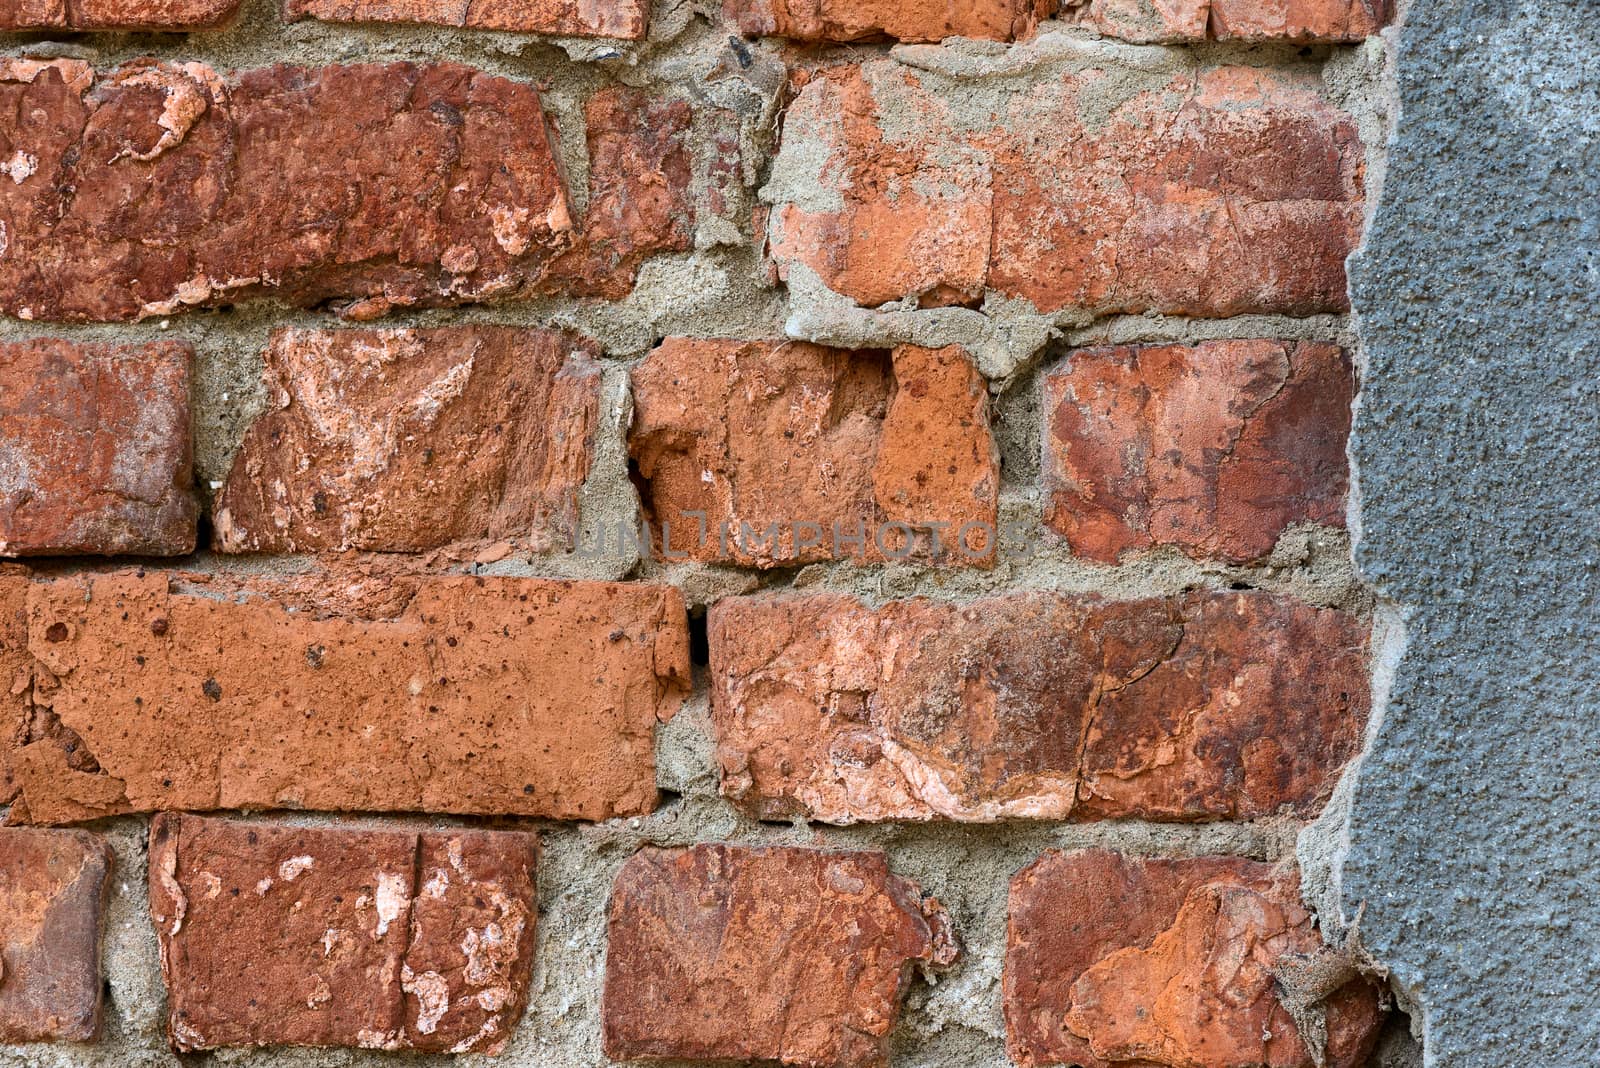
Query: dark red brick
point(384, 939)
point(95, 449)
point(53, 888)
point(161, 186)
point(1216, 448)
point(799, 956)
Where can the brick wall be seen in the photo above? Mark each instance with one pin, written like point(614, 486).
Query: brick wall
point(803, 531)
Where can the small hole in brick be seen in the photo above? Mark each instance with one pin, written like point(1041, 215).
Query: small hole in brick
point(56, 632)
point(699, 640)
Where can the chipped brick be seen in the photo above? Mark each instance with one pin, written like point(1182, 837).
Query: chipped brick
point(384, 939)
point(892, 450)
point(1217, 448)
point(1230, 191)
point(399, 440)
point(341, 692)
point(163, 186)
point(95, 450)
point(1152, 963)
point(904, 20)
point(799, 956)
point(569, 18)
point(1150, 21)
point(53, 888)
point(116, 14)
point(1033, 706)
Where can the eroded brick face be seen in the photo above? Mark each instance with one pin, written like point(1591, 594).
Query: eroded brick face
point(904, 20)
point(94, 449)
point(400, 440)
point(384, 939)
point(1235, 190)
point(865, 455)
point(1152, 963)
point(448, 694)
point(53, 888)
point(116, 14)
point(373, 186)
point(799, 956)
point(1148, 21)
point(1034, 706)
point(1216, 448)
point(569, 18)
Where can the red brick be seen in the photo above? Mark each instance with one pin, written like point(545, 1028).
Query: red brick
point(385, 939)
point(398, 184)
point(53, 887)
point(344, 692)
point(116, 14)
point(640, 199)
point(569, 18)
point(905, 20)
point(1216, 448)
point(1149, 963)
point(751, 434)
point(398, 440)
point(16, 665)
point(799, 956)
point(1232, 20)
point(94, 449)
point(1034, 706)
point(1231, 191)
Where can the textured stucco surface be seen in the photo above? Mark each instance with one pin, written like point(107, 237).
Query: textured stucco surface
point(1474, 834)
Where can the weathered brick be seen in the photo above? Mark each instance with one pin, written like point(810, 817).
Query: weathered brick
point(1228, 191)
point(53, 887)
point(1216, 448)
point(396, 440)
point(569, 18)
point(1193, 963)
point(16, 665)
point(892, 450)
point(1034, 705)
point(344, 692)
point(1148, 21)
point(799, 956)
point(144, 192)
point(94, 449)
point(386, 939)
point(116, 14)
point(905, 20)
point(640, 192)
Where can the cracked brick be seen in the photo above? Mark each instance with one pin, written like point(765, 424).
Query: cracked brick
point(799, 956)
point(1034, 706)
point(163, 186)
point(570, 18)
point(1227, 191)
point(343, 691)
point(903, 20)
point(401, 440)
point(1217, 448)
point(1115, 961)
point(733, 439)
point(1306, 21)
point(384, 939)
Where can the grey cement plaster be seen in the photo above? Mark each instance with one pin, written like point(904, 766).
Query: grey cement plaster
point(1473, 836)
